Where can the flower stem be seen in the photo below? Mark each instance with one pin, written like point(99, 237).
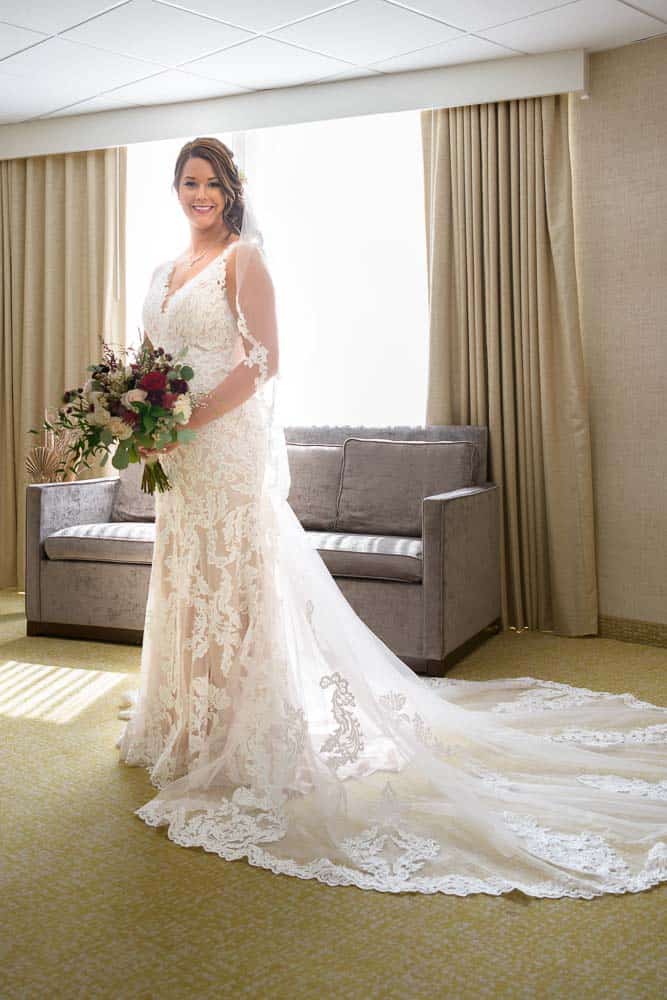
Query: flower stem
point(154, 478)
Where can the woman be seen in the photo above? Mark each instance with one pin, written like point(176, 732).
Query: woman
point(275, 724)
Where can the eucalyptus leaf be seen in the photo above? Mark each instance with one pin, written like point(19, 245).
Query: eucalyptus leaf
point(185, 434)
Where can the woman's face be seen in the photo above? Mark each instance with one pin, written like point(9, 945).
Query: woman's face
point(200, 194)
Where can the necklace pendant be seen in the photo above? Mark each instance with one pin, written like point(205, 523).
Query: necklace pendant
point(195, 259)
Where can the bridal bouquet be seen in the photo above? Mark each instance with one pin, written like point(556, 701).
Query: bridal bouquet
point(143, 403)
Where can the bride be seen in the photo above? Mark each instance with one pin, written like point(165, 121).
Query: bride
point(274, 724)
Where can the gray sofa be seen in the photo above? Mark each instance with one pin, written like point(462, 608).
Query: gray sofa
point(402, 516)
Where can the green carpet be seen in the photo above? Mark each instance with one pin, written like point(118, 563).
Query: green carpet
point(95, 904)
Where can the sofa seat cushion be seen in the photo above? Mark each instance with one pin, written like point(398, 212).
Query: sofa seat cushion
point(380, 557)
point(119, 542)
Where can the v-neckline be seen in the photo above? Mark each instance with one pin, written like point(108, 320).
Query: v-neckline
point(167, 296)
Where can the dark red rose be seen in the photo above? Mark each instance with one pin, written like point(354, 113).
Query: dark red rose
point(179, 385)
point(154, 381)
point(168, 399)
point(130, 417)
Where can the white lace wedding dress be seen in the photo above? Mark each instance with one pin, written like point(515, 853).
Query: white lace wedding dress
point(278, 728)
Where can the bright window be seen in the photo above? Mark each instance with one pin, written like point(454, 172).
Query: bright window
point(341, 207)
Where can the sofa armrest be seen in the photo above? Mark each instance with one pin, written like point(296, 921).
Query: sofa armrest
point(51, 506)
point(461, 552)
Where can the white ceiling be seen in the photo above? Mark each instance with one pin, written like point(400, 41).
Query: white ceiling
point(79, 56)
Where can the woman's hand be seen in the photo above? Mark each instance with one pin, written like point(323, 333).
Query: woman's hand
point(195, 423)
point(150, 452)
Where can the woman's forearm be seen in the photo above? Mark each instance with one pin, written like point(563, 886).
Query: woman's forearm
point(235, 389)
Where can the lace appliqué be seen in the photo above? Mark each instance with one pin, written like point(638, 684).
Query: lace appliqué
point(258, 354)
point(387, 850)
point(229, 830)
point(610, 738)
point(552, 695)
point(584, 852)
point(632, 786)
point(394, 702)
point(345, 744)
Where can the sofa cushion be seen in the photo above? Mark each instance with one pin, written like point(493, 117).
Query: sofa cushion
point(371, 557)
point(130, 502)
point(384, 482)
point(131, 542)
point(315, 476)
point(382, 557)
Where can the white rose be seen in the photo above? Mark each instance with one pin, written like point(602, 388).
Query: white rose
point(182, 409)
point(133, 396)
point(119, 428)
point(93, 396)
point(99, 417)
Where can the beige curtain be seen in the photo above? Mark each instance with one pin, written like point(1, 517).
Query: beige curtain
point(62, 291)
point(505, 343)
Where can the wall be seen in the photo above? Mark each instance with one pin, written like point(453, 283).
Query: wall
point(619, 142)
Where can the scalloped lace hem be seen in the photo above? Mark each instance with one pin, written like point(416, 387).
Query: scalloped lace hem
point(271, 827)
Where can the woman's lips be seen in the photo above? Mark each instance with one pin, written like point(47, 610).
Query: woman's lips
point(203, 209)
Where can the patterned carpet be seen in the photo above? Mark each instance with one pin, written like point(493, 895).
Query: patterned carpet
point(94, 904)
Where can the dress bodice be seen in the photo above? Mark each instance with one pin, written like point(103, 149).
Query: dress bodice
point(198, 317)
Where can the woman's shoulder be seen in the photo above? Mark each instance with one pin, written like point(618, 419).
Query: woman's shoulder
point(161, 267)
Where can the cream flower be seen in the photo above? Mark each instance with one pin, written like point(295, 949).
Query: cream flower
point(133, 396)
point(182, 409)
point(99, 417)
point(119, 428)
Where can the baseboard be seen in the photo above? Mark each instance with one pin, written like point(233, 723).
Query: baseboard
point(93, 633)
point(631, 630)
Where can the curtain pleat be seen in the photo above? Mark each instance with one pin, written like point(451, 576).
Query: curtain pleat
point(62, 294)
point(505, 343)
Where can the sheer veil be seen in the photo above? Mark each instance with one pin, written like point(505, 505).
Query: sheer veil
point(258, 325)
point(337, 762)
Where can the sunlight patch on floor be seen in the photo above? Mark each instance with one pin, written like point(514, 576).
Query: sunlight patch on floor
point(49, 693)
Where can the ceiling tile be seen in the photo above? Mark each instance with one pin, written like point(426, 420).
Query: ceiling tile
point(264, 63)
point(35, 95)
point(470, 15)
point(460, 50)
point(147, 30)
point(13, 39)
point(172, 86)
point(366, 31)
point(587, 24)
point(656, 7)
point(257, 15)
point(50, 17)
point(104, 102)
point(65, 63)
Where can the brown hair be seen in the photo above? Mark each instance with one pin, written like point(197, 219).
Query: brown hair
point(221, 159)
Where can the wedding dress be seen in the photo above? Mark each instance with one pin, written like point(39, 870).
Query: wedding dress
point(277, 727)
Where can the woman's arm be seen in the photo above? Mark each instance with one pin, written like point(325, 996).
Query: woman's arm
point(255, 311)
